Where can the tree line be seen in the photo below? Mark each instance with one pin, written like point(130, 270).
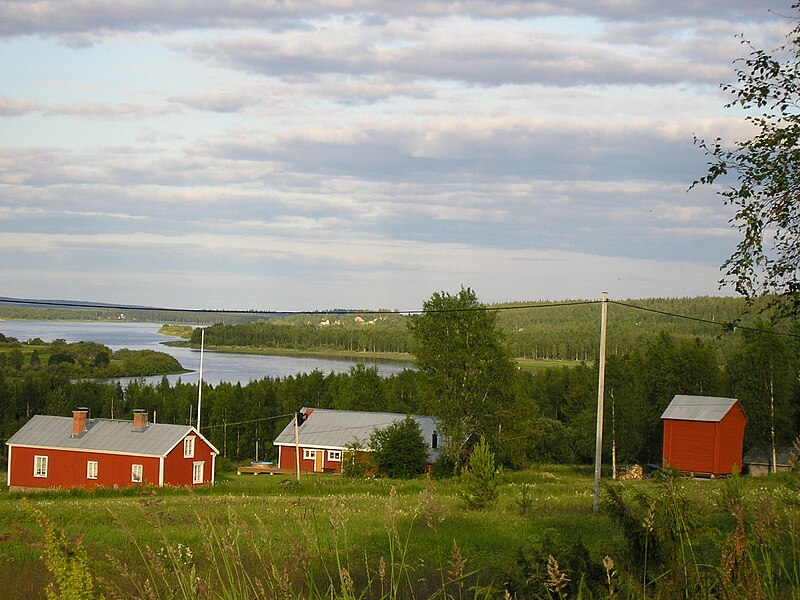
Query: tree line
point(535, 330)
point(544, 417)
point(81, 359)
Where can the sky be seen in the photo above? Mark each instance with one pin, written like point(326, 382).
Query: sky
point(283, 155)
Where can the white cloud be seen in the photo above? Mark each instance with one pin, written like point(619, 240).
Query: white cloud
point(365, 154)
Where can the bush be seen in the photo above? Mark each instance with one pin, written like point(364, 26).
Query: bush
point(481, 478)
point(399, 450)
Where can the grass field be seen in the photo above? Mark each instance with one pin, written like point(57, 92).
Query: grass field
point(268, 536)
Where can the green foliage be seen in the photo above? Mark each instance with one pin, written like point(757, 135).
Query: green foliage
point(459, 348)
point(349, 332)
point(480, 478)
point(766, 168)
point(399, 449)
point(356, 462)
point(83, 359)
point(67, 562)
point(762, 375)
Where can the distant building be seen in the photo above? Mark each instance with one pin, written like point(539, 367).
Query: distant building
point(703, 434)
point(326, 436)
point(64, 452)
point(758, 461)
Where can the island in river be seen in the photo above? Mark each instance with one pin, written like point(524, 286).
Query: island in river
point(82, 359)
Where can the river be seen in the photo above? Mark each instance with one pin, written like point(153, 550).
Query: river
point(217, 366)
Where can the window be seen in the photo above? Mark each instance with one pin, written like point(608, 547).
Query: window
point(39, 466)
point(335, 455)
point(136, 473)
point(197, 472)
point(188, 447)
point(91, 469)
point(309, 454)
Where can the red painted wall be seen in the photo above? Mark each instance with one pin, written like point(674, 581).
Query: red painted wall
point(731, 432)
point(178, 470)
point(66, 469)
point(705, 447)
point(287, 461)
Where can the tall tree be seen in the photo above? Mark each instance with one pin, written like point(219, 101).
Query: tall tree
point(766, 193)
point(763, 375)
point(458, 346)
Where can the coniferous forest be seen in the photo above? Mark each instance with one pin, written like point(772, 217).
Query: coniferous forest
point(656, 349)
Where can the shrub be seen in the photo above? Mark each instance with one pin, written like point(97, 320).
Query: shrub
point(481, 478)
point(399, 450)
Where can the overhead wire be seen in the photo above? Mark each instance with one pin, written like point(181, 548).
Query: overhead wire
point(726, 326)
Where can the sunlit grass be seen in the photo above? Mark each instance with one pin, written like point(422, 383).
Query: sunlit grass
point(308, 535)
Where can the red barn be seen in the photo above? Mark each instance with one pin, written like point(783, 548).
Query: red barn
point(704, 434)
point(64, 452)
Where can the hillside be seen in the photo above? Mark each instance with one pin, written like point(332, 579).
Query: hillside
point(534, 330)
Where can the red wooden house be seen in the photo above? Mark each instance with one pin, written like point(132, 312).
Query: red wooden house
point(704, 434)
point(64, 452)
point(326, 437)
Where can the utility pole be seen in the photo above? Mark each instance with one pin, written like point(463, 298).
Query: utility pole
point(200, 380)
point(601, 383)
point(297, 444)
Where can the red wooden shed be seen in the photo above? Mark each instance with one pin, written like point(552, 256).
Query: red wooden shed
point(64, 452)
point(703, 434)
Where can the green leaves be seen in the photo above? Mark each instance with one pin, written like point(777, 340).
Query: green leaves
point(399, 450)
point(767, 169)
point(458, 346)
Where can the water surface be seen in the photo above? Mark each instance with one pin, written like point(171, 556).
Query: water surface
point(217, 367)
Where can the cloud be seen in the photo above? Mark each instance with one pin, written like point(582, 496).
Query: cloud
point(365, 154)
point(15, 108)
point(476, 57)
point(72, 16)
point(224, 102)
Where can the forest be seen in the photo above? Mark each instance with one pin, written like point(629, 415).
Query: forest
point(534, 330)
point(545, 416)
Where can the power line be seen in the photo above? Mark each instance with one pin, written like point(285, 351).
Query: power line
point(274, 418)
point(335, 311)
point(727, 326)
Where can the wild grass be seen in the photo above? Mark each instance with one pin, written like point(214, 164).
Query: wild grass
point(270, 537)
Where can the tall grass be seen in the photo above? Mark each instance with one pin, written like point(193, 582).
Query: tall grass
point(331, 538)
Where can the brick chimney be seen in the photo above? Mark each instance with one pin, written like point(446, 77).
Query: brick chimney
point(79, 418)
point(139, 419)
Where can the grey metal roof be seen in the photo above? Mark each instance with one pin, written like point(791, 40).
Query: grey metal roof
point(763, 456)
point(337, 429)
point(698, 408)
point(103, 435)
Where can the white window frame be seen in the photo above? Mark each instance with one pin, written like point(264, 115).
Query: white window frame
point(309, 454)
point(91, 469)
point(137, 473)
point(188, 447)
point(40, 465)
point(335, 455)
point(198, 468)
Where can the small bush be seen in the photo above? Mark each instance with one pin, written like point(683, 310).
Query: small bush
point(481, 478)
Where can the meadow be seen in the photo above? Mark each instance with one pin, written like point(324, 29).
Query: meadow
point(328, 536)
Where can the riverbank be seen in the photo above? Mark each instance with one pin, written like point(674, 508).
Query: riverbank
point(335, 354)
point(525, 364)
